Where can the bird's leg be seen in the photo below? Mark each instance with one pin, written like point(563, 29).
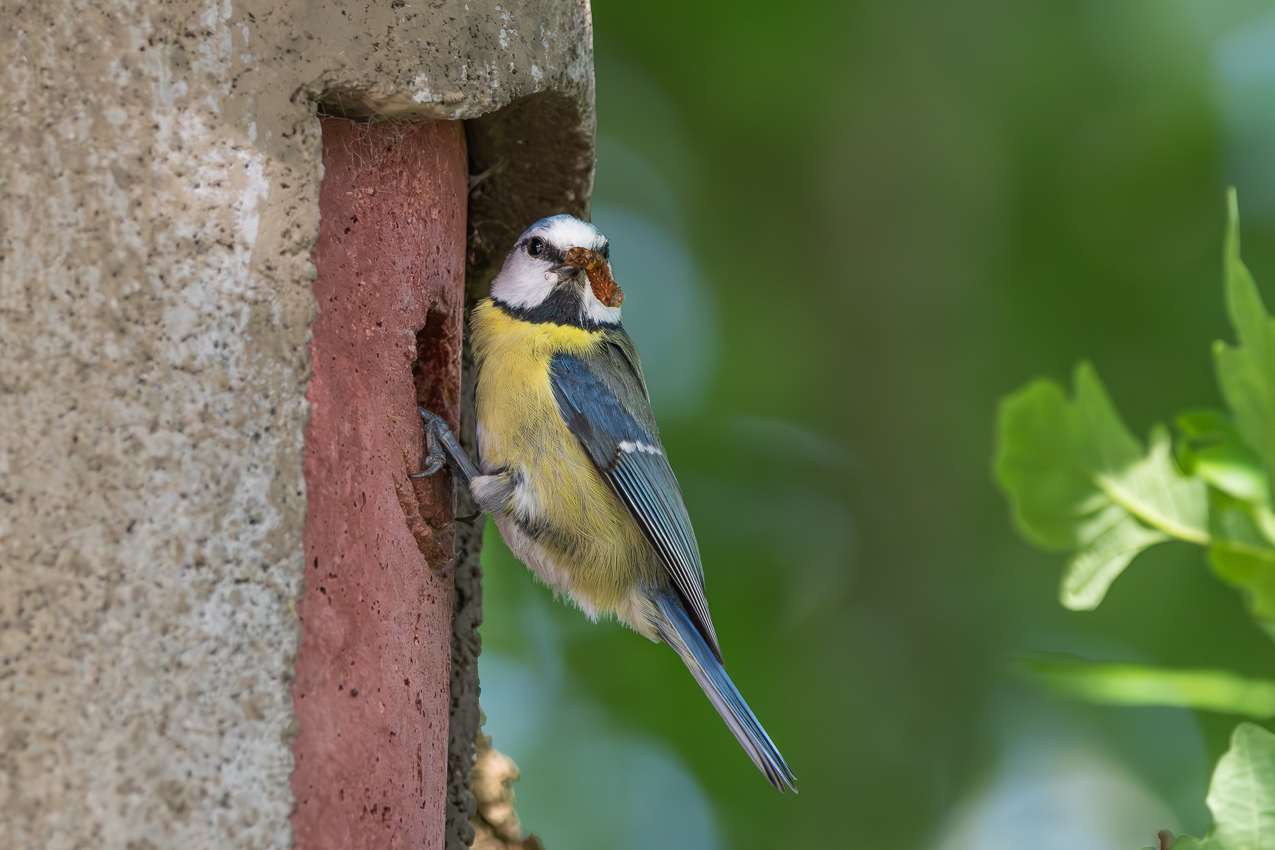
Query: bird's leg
point(435, 459)
point(445, 449)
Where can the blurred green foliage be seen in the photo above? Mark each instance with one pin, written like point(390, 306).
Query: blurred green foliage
point(1241, 796)
point(1077, 479)
point(1114, 683)
point(902, 211)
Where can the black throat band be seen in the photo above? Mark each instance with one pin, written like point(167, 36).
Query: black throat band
point(563, 306)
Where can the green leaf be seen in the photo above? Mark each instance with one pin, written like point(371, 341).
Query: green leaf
point(1156, 491)
point(1242, 793)
point(1114, 683)
point(1246, 371)
point(1213, 449)
point(1049, 448)
point(1096, 565)
point(1241, 552)
point(1078, 480)
point(1251, 570)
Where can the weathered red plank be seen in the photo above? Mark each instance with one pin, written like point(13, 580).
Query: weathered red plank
point(371, 691)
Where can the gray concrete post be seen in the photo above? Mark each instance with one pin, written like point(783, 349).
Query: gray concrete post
point(159, 201)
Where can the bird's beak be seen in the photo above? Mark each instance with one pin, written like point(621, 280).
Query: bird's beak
point(605, 289)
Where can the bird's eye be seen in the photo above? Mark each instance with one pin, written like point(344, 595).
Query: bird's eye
point(536, 246)
point(606, 251)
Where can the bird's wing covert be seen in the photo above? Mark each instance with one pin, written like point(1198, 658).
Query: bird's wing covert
point(604, 404)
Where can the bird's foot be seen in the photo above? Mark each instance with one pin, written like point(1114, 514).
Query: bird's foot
point(436, 431)
point(443, 449)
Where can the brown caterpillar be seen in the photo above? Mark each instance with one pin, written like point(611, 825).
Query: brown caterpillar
point(605, 289)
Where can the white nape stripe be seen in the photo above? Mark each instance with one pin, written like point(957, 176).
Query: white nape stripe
point(567, 232)
point(631, 446)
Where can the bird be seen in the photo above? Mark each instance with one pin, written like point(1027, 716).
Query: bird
point(571, 466)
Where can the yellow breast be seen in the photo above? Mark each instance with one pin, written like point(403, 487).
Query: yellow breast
point(517, 415)
point(590, 534)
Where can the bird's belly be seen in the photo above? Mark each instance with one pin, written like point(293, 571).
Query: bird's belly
point(561, 518)
point(573, 531)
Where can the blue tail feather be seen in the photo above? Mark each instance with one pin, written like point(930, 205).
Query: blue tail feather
point(679, 632)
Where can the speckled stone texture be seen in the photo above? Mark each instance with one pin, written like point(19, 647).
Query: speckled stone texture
point(159, 201)
point(372, 672)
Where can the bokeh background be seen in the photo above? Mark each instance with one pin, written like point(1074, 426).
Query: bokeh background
point(846, 230)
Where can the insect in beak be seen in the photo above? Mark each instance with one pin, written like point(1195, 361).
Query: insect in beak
point(605, 289)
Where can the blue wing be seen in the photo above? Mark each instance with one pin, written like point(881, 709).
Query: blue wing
point(603, 400)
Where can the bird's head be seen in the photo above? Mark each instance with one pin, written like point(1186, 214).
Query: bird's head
point(561, 267)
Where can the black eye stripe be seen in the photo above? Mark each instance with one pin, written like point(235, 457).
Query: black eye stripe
point(543, 249)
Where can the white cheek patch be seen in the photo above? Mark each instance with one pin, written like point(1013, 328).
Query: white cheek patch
point(524, 281)
point(631, 446)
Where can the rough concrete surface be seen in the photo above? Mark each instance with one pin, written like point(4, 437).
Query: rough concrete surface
point(158, 207)
point(372, 670)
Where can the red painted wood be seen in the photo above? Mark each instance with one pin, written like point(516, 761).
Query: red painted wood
point(371, 692)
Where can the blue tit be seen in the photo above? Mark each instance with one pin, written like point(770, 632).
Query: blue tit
point(571, 464)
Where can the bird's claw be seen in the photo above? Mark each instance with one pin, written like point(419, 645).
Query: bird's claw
point(443, 449)
point(436, 459)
